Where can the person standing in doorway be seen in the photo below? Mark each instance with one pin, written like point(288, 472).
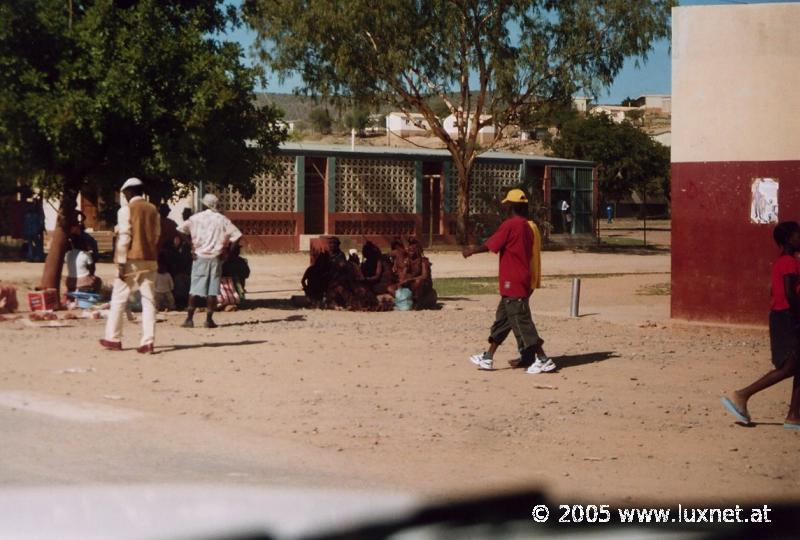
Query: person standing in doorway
point(136, 254)
point(211, 233)
point(566, 217)
point(514, 240)
point(33, 230)
point(610, 213)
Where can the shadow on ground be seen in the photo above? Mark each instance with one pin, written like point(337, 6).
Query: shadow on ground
point(290, 318)
point(172, 348)
point(270, 303)
point(756, 424)
point(574, 360)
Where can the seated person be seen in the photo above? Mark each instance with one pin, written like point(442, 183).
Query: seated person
point(80, 268)
point(316, 279)
point(376, 269)
point(398, 257)
point(352, 258)
point(418, 277)
point(235, 272)
point(338, 258)
point(89, 241)
point(236, 268)
point(341, 280)
point(347, 289)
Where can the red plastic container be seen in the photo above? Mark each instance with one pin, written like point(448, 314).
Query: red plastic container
point(46, 300)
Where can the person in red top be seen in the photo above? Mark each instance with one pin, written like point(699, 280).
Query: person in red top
point(513, 240)
point(784, 325)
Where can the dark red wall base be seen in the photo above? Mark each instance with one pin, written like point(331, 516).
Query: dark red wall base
point(720, 260)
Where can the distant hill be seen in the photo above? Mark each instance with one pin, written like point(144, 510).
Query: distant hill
point(300, 107)
point(294, 107)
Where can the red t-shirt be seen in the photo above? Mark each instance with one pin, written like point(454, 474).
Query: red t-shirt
point(514, 241)
point(785, 264)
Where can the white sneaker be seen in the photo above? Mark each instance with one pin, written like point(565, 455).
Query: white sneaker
point(481, 361)
point(535, 368)
point(541, 366)
point(547, 364)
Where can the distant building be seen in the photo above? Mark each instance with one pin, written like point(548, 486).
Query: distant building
point(377, 123)
point(402, 125)
point(290, 125)
point(655, 102)
point(538, 133)
point(378, 193)
point(581, 103)
point(617, 113)
point(485, 134)
point(664, 137)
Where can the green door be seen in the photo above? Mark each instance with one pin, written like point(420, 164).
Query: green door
point(576, 186)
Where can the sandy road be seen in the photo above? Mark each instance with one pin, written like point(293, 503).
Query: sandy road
point(388, 400)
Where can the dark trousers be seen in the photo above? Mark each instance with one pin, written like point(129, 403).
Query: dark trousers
point(514, 315)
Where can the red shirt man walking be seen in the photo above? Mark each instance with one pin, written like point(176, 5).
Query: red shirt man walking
point(514, 241)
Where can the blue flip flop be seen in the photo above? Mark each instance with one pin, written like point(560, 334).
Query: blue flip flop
point(740, 416)
point(787, 425)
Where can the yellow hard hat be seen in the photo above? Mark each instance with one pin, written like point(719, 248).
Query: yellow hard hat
point(515, 196)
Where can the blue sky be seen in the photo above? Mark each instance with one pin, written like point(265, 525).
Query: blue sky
point(651, 77)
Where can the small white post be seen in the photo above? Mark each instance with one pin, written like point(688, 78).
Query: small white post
point(352, 138)
point(576, 297)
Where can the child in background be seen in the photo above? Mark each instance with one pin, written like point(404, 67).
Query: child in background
point(80, 268)
point(181, 268)
point(236, 268)
point(163, 287)
point(784, 324)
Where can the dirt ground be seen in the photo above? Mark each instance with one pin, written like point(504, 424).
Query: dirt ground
point(390, 400)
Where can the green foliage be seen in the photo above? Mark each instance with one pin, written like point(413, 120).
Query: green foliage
point(388, 49)
point(635, 116)
point(110, 89)
point(627, 158)
point(554, 113)
point(321, 120)
point(491, 60)
point(438, 107)
point(357, 119)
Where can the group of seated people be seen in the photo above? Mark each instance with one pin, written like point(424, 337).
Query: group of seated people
point(369, 283)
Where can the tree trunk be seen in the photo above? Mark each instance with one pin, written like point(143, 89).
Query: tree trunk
point(644, 198)
point(462, 209)
point(51, 276)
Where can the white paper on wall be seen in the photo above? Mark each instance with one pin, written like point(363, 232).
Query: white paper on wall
point(764, 204)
